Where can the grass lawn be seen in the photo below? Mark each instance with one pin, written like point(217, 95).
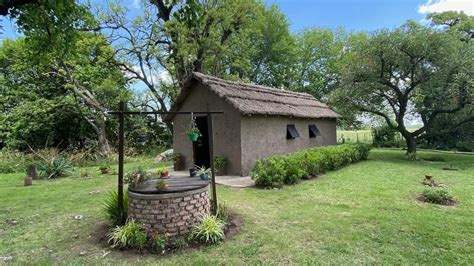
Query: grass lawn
point(364, 213)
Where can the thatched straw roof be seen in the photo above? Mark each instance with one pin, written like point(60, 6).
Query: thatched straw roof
point(250, 99)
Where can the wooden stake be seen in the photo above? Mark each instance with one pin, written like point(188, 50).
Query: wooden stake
point(120, 214)
point(211, 155)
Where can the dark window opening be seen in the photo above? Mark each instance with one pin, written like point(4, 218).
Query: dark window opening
point(291, 132)
point(313, 131)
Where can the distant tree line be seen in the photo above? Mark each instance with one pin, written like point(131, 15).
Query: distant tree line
point(75, 62)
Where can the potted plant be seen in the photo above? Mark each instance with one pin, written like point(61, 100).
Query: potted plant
point(161, 185)
point(203, 173)
point(137, 177)
point(163, 171)
point(194, 132)
point(104, 169)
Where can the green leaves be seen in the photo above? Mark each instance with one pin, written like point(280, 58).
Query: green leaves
point(210, 229)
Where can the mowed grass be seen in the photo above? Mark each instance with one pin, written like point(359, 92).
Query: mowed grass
point(364, 213)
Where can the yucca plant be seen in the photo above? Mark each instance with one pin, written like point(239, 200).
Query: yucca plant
point(130, 235)
point(111, 206)
point(209, 230)
point(54, 167)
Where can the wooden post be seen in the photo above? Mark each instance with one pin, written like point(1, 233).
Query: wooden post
point(120, 216)
point(211, 155)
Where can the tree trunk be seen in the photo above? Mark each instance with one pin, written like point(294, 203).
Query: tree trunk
point(411, 144)
point(103, 142)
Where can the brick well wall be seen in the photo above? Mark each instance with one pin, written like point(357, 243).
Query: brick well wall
point(172, 213)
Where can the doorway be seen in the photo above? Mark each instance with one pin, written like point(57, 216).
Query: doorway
point(201, 146)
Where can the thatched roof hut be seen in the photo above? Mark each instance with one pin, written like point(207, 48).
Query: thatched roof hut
point(258, 121)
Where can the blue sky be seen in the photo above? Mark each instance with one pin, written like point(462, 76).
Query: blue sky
point(353, 15)
point(350, 14)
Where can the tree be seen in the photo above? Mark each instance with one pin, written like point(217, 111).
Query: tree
point(411, 71)
point(230, 39)
point(317, 57)
point(455, 21)
point(55, 30)
point(40, 107)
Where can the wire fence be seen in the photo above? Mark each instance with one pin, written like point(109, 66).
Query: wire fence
point(360, 136)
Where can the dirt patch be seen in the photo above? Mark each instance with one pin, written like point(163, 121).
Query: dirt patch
point(235, 222)
point(450, 203)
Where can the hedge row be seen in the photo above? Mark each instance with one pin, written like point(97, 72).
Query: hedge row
point(290, 168)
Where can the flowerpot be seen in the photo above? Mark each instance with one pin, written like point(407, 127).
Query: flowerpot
point(204, 176)
point(192, 172)
point(28, 181)
point(164, 174)
point(193, 136)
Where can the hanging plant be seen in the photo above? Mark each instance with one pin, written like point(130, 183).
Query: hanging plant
point(193, 132)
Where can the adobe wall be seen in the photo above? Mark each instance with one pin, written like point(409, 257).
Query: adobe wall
point(263, 136)
point(226, 128)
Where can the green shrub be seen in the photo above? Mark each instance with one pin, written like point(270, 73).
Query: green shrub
point(437, 195)
point(288, 169)
point(269, 172)
point(209, 230)
point(111, 206)
point(55, 167)
point(465, 146)
point(131, 235)
point(294, 169)
point(386, 136)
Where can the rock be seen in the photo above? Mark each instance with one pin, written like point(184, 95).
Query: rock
point(6, 258)
point(164, 156)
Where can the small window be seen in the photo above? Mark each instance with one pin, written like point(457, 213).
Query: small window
point(291, 132)
point(313, 131)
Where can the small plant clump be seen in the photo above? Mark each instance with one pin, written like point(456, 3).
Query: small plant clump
point(437, 195)
point(137, 177)
point(209, 230)
point(161, 185)
point(130, 235)
point(411, 157)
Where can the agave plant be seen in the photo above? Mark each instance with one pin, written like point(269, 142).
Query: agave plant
point(55, 167)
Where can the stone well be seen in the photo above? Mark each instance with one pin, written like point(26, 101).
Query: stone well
point(173, 211)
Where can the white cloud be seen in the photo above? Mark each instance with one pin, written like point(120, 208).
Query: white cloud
point(437, 6)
